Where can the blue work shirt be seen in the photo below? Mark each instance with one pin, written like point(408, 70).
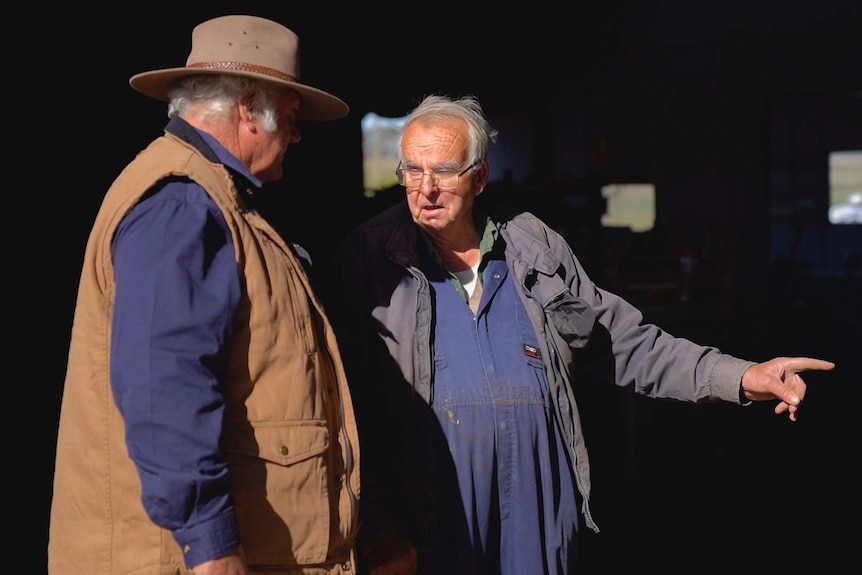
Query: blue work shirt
point(178, 286)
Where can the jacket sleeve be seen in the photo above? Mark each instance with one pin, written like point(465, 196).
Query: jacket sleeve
point(377, 390)
point(644, 356)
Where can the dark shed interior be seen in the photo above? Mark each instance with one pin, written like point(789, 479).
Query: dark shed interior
point(729, 108)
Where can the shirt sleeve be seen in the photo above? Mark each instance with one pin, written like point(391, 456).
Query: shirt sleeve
point(177, 287)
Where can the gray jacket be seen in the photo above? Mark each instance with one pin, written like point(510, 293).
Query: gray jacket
point(583, 330)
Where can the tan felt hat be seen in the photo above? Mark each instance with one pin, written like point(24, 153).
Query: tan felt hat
point(247, 46)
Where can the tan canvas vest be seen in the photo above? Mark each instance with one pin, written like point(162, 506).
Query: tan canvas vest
point(289, 432)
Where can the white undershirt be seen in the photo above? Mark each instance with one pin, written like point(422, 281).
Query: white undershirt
point(468, 279)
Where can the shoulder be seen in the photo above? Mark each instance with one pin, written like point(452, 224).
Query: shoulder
point(382, 224)
point(523, 225)
point(532, 240)
point(175, 203)
point(178, 190)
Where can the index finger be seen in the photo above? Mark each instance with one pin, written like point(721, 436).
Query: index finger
point(809, 363)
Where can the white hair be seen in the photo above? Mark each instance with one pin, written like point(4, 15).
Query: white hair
point(480, 133)
point(213, 95)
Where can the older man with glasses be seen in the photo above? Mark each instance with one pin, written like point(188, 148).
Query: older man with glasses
point(465, 330)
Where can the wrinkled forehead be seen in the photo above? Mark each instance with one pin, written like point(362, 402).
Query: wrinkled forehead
point(435, 140)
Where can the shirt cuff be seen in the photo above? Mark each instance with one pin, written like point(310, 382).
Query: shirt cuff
point(208, 540)
point(726, 379)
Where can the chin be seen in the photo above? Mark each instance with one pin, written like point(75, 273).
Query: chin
point(271, 176)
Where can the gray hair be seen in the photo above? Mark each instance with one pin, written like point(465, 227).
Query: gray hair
point(213, 95)
point(480, 133)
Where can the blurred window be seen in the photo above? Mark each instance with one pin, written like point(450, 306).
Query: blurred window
point(629, 206)
point(380, 152)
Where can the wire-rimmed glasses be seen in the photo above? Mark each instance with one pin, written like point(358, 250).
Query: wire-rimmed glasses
point(411, 177)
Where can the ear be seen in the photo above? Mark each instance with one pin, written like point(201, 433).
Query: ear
point(245, 110)
point(482, 177)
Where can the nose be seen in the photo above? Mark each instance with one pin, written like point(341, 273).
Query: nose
point(289, 129)
point(427, 184)
point(295, 134)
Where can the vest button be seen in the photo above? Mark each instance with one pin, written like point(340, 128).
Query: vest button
point(283, 450)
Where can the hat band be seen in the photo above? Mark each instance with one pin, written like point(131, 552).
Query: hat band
point(242, 67)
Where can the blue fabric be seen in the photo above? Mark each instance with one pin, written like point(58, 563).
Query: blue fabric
point(178, 287)
point(507, 503)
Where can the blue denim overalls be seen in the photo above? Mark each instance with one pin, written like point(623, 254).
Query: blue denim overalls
point(506, 498)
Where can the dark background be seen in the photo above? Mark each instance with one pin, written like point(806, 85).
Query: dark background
point(729, 107)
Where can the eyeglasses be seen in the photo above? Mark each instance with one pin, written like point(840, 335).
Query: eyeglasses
point(411, 177)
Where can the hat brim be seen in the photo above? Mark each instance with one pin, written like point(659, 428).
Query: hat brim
point(316, 105)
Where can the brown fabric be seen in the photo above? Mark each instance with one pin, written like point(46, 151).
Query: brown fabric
point(476, 296)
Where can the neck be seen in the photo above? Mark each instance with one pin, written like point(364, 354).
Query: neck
point(458, 253)
point(220, 127)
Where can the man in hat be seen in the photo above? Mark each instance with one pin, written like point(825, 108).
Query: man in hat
point(206, 423)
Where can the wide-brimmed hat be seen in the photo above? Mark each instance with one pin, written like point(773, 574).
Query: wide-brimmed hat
point(246, 46)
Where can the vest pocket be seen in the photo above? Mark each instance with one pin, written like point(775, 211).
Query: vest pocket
point(281, 491)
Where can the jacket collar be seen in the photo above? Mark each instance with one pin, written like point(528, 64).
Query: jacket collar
point(526, 239)
point(186, 132)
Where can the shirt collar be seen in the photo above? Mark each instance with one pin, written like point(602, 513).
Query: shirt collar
point(227, 158)
point(211, 149)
